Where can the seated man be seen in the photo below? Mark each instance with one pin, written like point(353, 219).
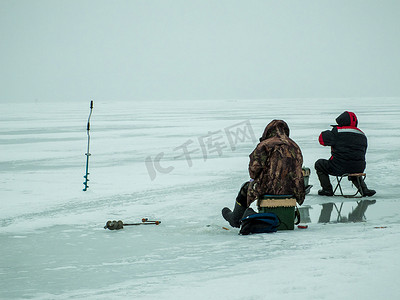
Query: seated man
point(348, 148)
point(275, 168)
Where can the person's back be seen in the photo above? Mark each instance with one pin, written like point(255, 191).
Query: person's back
point(348, 147)
point(275, 168)
point(276, 165)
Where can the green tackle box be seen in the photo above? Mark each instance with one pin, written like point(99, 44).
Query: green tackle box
point(281, 205)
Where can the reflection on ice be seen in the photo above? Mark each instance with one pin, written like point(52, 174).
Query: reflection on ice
point(339, 212)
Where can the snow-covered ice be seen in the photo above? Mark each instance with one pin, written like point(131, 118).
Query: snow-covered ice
point(181, 162)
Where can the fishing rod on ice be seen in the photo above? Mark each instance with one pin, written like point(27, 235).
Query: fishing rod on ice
point(88, 144)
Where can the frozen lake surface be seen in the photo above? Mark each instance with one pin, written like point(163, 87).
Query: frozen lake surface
point(181, 163)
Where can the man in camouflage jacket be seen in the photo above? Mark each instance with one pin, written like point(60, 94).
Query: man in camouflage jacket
point(276, 165)
point(275, 168)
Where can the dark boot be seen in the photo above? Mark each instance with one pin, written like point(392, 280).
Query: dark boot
point(327, 189)
point(362, 186)
point(233, 217)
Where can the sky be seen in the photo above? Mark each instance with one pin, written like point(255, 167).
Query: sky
point(191, 49)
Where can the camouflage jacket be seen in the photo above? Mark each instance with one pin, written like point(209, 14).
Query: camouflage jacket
point(276, 165)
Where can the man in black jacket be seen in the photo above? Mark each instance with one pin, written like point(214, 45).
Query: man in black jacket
point(348, 147)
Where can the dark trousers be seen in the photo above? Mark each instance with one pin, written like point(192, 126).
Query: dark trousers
point(327, 167)
point(324, 168)
point(242, 195)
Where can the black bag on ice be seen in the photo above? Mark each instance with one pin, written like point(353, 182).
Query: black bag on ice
point(259, 223)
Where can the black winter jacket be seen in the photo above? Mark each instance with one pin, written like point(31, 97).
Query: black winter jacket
point(348, 144)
